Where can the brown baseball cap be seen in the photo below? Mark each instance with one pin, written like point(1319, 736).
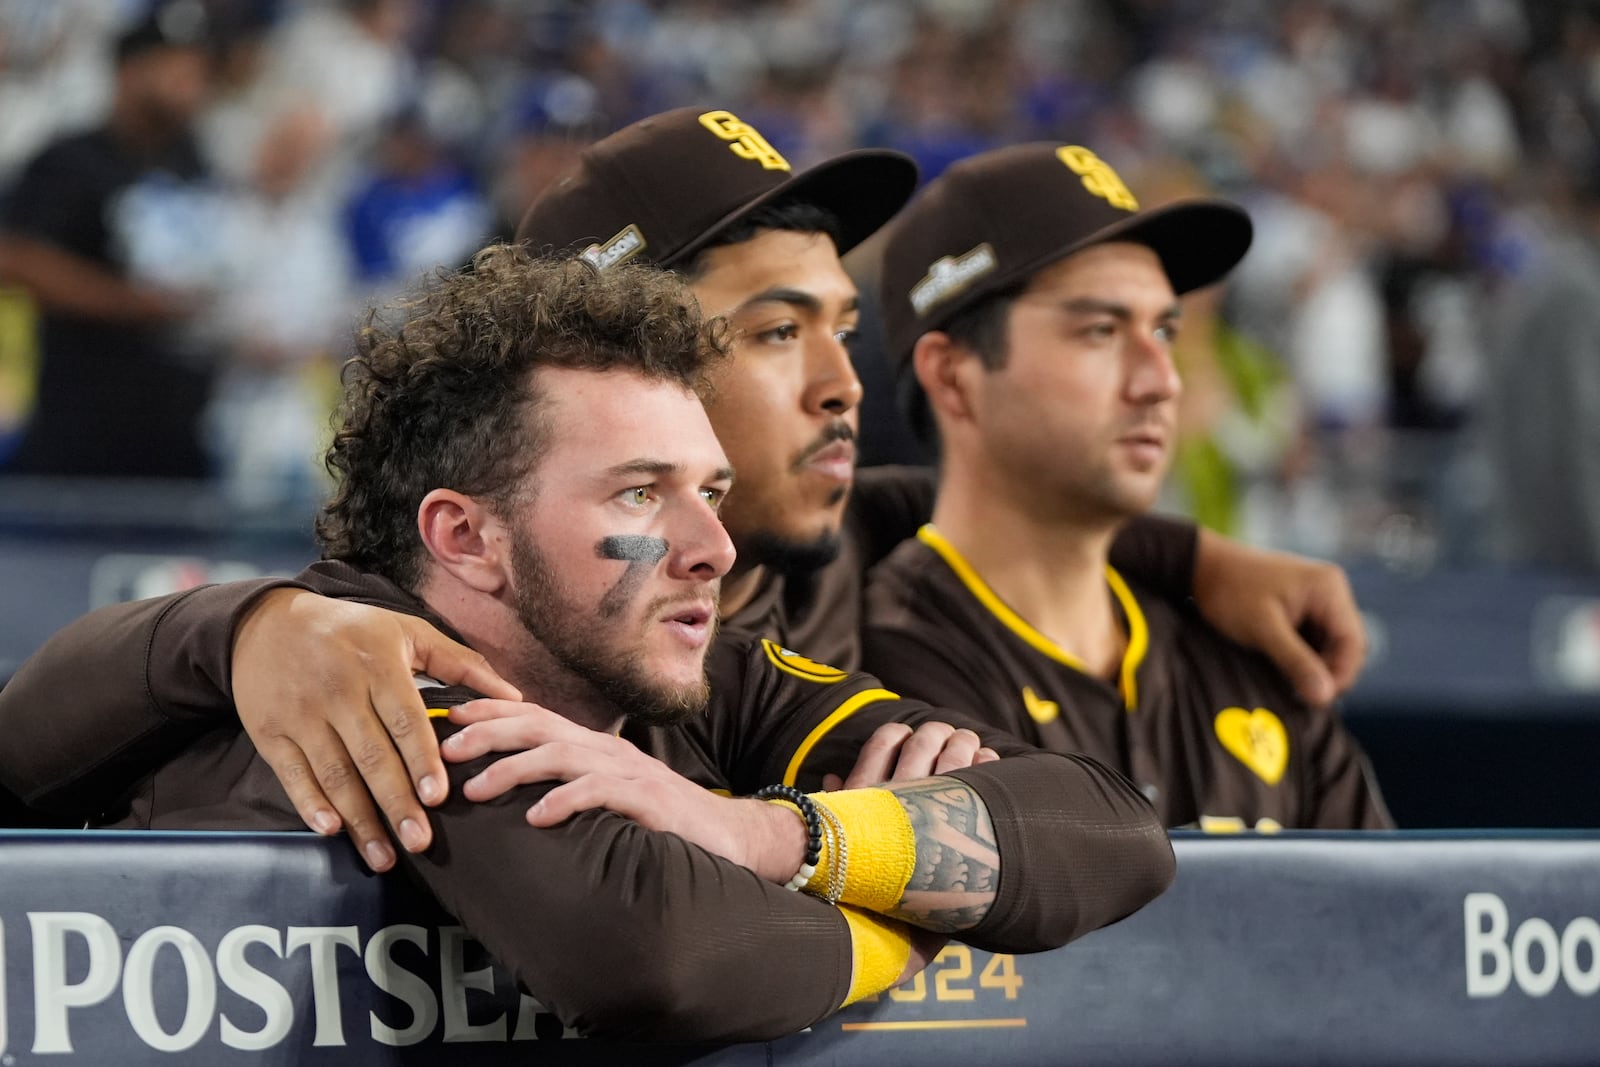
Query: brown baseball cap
point(666, 186)
point(993, 220)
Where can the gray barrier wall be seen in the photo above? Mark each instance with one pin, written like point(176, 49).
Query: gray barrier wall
point(135, 949)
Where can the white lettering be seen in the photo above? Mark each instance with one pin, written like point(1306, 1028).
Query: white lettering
point(453, 985)
point(1580, 931)
point(1536, 932)
point(324, 943)
point(1559, 957)
point(79, 961)
point(527, 1028)
point(53, 995)
point(138, 989)
point(251, 984)
point(408, 988)
point(1490, 942)
point(533, 1017)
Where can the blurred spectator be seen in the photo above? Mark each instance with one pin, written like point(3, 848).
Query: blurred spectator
point(281, 315)
point(53, 73)
point(1542, 405)
point(419, 208)
point(546, 124)
point(347, 58)
point(107, 232)
point(1383, 149)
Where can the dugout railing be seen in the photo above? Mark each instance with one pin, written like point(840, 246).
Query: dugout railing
point(1404, 948)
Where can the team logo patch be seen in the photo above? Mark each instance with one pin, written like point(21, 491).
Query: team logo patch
point(1256, 739)
point(744, 140)
point(1041, 711)
point(948, 276)
point(791, 662)
point(628, 243)
point(1098, 177)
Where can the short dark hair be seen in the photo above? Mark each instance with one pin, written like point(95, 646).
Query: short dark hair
point(441, 398)
point(982, 327)
point(797, 216)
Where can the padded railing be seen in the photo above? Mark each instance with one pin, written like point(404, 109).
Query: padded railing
point(133, 949)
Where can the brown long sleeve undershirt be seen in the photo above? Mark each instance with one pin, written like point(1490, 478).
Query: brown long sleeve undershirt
point(126, 685)
point(117, 692)
point(638, 934)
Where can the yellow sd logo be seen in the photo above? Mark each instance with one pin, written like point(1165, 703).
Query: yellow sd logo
point(1256, 739)
point(794, 663)
point(1097, 175)
point(745, 141)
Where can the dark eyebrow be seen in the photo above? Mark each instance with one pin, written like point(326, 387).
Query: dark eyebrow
point(655, 467)
point(797, 298)
point(660, 468)
point(1087, 305)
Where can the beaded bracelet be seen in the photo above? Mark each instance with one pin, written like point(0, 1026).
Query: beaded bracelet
point(808, 812)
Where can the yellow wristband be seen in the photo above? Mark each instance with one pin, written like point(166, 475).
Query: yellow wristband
point(880, 949)
point(882, 848)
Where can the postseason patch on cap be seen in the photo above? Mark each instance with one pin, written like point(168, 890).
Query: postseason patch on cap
point(951, 274)
point(626, 244)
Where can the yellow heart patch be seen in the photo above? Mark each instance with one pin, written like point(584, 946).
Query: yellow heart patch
point(1256, 739)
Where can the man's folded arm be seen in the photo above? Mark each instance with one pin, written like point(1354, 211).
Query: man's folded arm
point(1022, 854)
point(116, 692)
point(1085, 849)
point(1075, 845)
point(637, 934)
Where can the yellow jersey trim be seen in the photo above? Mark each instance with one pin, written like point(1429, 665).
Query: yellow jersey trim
point(438, 713)
point(839, 715)
point(1138, 637)
point(1138, 630)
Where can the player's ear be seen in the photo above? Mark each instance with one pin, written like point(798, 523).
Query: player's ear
point(465, 539)
point(947, 372)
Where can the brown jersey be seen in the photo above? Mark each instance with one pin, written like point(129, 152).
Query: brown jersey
point(570, 909)
point(1210, 731)
point(821, 612)
point(131, 684)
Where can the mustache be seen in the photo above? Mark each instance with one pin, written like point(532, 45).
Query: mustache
point(838, 430)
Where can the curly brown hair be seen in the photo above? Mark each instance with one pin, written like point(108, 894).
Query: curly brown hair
point(443, 397)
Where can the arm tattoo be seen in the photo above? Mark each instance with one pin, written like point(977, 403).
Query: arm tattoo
point(958, 862)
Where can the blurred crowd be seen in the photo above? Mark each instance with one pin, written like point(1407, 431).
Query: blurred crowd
point(1406, 366)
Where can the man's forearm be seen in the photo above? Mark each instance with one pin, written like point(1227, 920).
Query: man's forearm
point(114, 693)
point(637, 934)
point(62, 282)
point(1083, 847)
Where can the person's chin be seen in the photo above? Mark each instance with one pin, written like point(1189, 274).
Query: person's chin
point(794, 551)
point(673, 699)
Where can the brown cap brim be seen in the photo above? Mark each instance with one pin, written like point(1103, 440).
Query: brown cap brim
point(863, 189)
